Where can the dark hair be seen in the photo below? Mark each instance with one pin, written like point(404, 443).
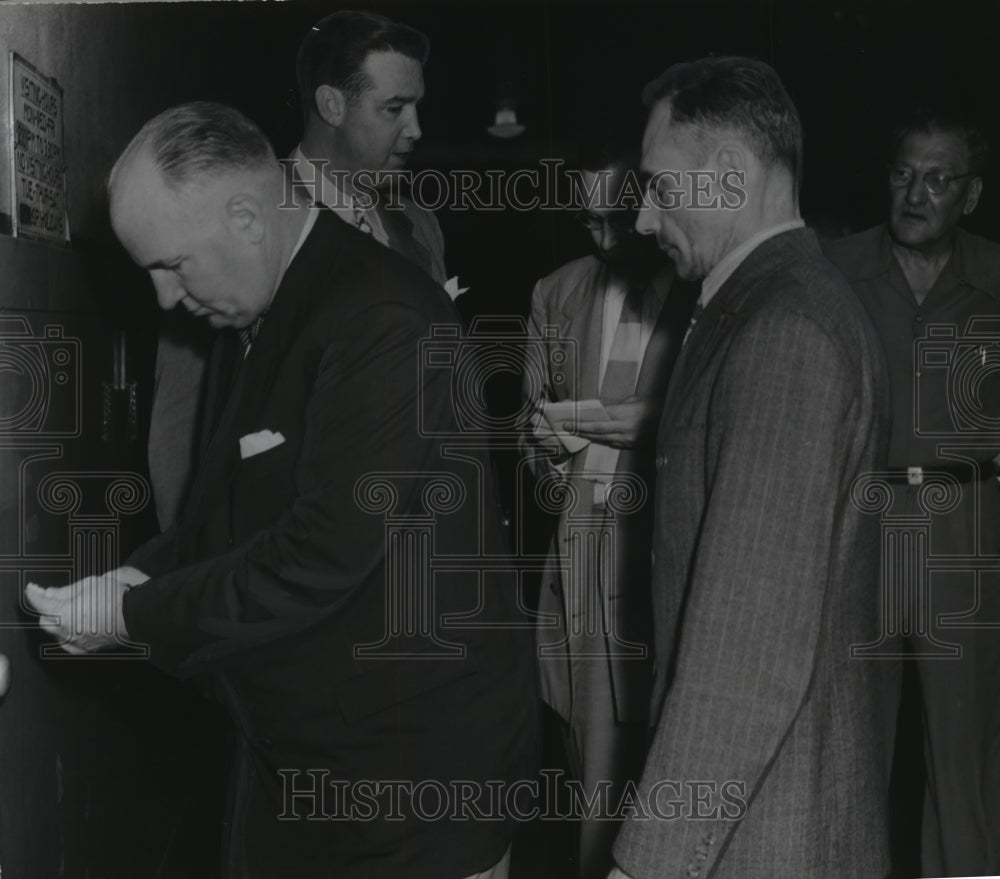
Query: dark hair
point(933, 121)
point(609, 148)
point(333, 52)
point(739, 94)
point(194, 139)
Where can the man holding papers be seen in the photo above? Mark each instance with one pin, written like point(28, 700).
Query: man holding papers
point(621, 316)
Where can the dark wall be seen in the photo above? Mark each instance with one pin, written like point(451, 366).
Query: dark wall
point(850, 66)
point(74, 740)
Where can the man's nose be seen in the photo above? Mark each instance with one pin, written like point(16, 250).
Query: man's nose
point(645, 222)
point(916, 193)
point(609, 238)
point(168, 290)
point(411, 127)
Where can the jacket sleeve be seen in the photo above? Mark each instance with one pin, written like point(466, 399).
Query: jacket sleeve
point(361, 419)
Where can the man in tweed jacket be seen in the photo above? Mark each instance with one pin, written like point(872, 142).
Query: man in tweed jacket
point(766, 744)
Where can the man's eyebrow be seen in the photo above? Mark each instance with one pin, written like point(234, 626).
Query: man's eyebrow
point(404, 99)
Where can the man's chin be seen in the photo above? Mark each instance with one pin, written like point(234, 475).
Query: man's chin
point(396, 162)
point(914, 236)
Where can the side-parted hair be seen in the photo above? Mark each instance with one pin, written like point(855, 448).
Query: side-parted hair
point(333, 52)
point(933, 121)
point(196, 139)
point(732, 94)
point(604, 148)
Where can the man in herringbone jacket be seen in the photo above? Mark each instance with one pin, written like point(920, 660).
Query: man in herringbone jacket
point(766, 743)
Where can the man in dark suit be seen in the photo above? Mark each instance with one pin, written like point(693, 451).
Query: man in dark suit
point(620, 315)
point(360, 79)
point(366, 684)
point(765, 754)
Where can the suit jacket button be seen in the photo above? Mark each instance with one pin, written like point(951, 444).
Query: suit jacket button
point(660, 461)
point(266, 743)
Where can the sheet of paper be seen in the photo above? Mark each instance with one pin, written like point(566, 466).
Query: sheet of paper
point(572, 412)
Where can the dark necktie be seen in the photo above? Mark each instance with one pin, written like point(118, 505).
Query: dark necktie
point(699, 310)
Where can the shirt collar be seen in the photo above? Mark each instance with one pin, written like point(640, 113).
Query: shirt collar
point(323, 186)
point(967, 262)
point(731, 261)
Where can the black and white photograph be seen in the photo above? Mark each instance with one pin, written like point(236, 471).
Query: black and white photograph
point(512, 439)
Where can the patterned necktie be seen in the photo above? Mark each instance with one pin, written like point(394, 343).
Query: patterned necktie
point(620, 376)
point(248, 334)
point(623, 359)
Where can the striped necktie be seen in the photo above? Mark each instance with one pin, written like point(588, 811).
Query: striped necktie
point(620, 376)
point(248, 334)
point(623, 359)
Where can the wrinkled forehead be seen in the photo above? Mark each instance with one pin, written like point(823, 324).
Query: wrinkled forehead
point(934, 149)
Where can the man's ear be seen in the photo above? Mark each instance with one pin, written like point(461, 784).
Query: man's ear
point(246, 216)
point(330, 104)
point(731, 157)
point(972, 196)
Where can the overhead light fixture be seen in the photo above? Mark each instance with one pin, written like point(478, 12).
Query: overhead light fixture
point(505, 124)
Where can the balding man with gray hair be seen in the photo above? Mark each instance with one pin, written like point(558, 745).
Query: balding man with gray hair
point(282, 581)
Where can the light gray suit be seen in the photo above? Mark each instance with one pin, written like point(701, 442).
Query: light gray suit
point(766, 753)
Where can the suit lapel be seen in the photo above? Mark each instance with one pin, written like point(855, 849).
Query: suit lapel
point(726, 307)
point(659, 358)
point(399, 233)
point(701, 344)
point(249, 379)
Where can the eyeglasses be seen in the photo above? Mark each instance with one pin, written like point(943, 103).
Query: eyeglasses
point(935, 182)
point(622, 222)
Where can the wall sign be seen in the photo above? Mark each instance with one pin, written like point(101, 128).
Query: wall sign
point(38, 175)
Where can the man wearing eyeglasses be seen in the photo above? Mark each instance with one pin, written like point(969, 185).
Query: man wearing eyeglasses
point(621, 314)
point(933, 293)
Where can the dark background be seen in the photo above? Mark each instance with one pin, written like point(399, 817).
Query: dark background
point(106, 767)
point(569, 66)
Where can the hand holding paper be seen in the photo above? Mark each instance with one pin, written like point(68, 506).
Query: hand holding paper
point(565, 417)
point(625, 424)
point(87, 615)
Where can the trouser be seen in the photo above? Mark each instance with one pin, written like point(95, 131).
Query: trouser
point(603, 755)
point(957, 653)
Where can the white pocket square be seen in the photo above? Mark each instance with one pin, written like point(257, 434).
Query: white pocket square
point(255, 443)
point(452, 289)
